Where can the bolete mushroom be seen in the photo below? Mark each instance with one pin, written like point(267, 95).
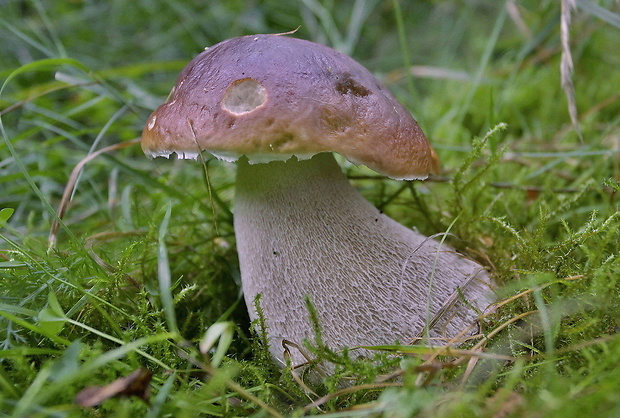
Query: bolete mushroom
point(280, 107)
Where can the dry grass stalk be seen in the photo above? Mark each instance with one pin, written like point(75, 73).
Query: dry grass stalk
point(71, 183)
point(566, 65)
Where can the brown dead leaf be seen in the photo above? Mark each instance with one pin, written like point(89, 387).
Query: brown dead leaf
point(136, 384)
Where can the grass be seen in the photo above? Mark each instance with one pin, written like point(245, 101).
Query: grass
point(144, 273)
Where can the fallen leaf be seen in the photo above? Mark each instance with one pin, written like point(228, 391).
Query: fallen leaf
point(136, 384)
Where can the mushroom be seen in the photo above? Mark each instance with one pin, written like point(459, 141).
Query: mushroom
point(280, 107)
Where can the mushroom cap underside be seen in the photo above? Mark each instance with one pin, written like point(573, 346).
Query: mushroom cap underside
point(270, 97)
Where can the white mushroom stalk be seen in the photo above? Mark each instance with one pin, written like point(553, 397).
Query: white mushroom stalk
point(303, 231)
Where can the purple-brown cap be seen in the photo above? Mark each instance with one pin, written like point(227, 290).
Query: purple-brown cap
point(270, 97)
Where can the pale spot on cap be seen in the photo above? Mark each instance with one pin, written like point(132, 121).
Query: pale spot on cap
point(152, 121)
point(244, 96)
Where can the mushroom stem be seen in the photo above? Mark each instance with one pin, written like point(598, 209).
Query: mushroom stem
point(303, 231)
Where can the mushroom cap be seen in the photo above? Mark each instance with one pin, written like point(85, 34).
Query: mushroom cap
point(270, 97)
